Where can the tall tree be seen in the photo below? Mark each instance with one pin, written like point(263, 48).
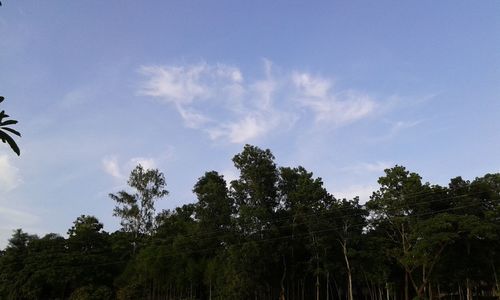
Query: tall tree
point(256, 197)
point(392, 205)
point(214, 208)
point(12, 265)
point(255, 192)
point(137, 210)
point(348, 220)
point(303, 201)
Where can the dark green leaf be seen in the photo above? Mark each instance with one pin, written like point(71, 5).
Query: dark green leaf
point(8, 122)
point(6, 138)
point(12, 131)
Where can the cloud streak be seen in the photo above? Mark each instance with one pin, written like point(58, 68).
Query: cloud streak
point(316, 94)
point(220, 101)
point(10, 177)
point(112, 166)
point(12, 219)
point(363, 168)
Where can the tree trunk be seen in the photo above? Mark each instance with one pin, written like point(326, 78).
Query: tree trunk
point(497, 286)
point(210, 290)
point(423, 281)
point(302, 283)
point(337, 288)
point(317, 286)
point(348, 266)
point(406, 285)
point(282, 291)
point(469, 291)
point(327, 285)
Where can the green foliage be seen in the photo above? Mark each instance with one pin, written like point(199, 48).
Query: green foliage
point(137, 210)
point(274, 233)
point(92, 293)
point(5, 130)
point(214, 207)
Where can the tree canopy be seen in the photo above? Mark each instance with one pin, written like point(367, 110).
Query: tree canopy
point(273, 233)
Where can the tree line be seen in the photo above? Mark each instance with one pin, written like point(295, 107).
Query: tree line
point(273, 233)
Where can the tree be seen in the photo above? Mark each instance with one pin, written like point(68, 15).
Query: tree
point(213, 212)
point(13, 263)
point(303, 199)
point(392, 205)
point(256, 197)
point(214, 207)
point(349, 218)
point(4, 136)
point(137, 210)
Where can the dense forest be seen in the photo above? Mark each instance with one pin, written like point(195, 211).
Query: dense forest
point(274, 233)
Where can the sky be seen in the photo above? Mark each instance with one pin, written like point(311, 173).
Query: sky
point(342, 88)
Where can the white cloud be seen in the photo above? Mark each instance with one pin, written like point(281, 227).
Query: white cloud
point(10, 177)
point(361, 168)
point(230, 174)
point(316, 94)
point(183, 85)
point(310, 86)
point(402, 125)
point(218, 100)
point(249, 128)
point(13, 219)
point(111, 167)
point(362, 191)
point(74, 98)
point(231, 110)
point(192, 119)
point(17, 216)
point(176, 84)
point(396, 128)
point(145, 162)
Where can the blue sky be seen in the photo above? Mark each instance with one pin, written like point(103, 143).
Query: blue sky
point(343, 88)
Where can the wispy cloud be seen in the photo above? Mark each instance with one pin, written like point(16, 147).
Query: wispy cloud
point(10, 176)
point(145, 162)
point(362, 191)
point(13, 219)
point(361, 168)
point(401, 125)
point(111, 167)
point(215, 99)
point(220, 101)
point(328, 106)
point(120, 170)
point(18, 216)
point(396, 128)
point(76, 97)
point(184, 84)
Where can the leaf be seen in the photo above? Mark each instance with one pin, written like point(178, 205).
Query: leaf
point(2, 98)
point(8, 122)
point(6, 138)
point(11, 130)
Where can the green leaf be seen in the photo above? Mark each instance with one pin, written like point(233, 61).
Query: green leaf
point(2, 98)
point(8, 122)
point(11, 130)
point(6, 138)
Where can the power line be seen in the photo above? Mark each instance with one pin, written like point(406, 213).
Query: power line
point(187, 251)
